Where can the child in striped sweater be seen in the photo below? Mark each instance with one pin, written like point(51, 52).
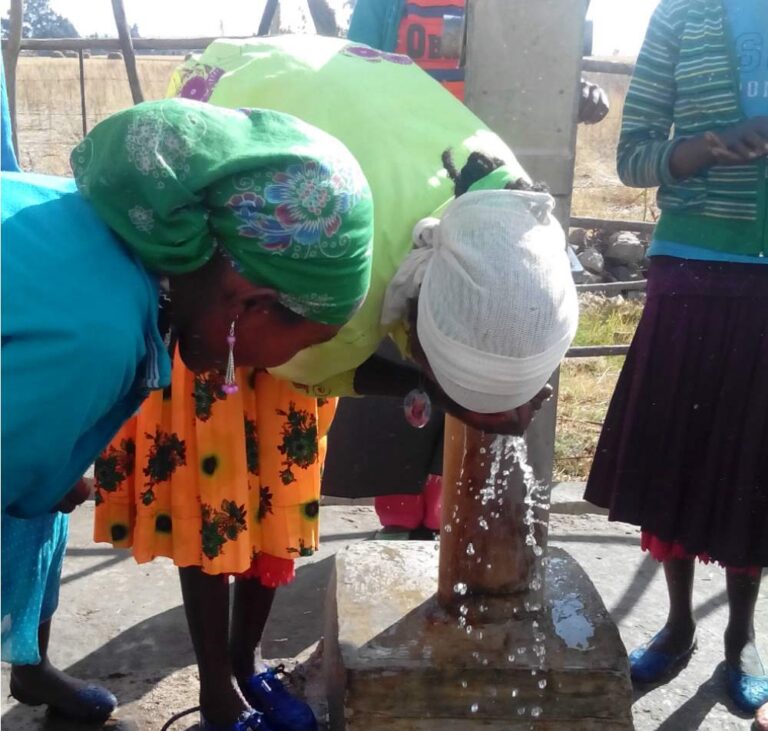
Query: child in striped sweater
point(684, 448)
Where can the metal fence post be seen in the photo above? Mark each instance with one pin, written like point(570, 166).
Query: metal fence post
point(83, 111)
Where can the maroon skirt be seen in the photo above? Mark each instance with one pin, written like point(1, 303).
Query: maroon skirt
point(684, 450)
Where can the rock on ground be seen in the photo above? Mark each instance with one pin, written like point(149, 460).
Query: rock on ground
point(625, 248)
point(592, 260)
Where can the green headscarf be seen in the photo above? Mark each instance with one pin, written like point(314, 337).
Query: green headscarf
point(497, 179)
point(285, 201)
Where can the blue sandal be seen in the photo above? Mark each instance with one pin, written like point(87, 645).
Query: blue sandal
point(748, 692)
point(651, 666)
point(283, 711)
point(248, 721)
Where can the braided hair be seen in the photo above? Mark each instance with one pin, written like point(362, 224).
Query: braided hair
point(477, 167)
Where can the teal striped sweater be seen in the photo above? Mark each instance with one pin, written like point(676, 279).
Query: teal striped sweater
point(686, 80)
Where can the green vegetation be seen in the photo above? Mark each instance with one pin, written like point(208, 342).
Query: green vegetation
point(586, 384)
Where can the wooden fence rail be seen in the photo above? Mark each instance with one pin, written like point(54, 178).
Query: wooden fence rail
point(613, 287)
point(113, 44)
point(606, 66)
point(612, 225)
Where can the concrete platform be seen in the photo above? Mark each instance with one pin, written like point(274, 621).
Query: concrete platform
point(123, 624)
point(395, 661)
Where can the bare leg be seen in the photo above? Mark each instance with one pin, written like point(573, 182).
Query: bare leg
point(206, 602)
point(740, 649)
point(252, 605)
point(43, 684)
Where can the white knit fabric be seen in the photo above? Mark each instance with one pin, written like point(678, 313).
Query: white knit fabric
point(497, 304)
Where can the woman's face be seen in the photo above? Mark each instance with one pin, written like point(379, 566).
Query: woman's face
point(265, 337)
point(206, 303)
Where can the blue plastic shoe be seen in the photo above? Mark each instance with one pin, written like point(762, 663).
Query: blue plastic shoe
point(651, 666)
point(748, 692)
point(249, 721)
point(283, 711)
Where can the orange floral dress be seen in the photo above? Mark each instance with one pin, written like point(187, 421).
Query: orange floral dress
point(230, 483)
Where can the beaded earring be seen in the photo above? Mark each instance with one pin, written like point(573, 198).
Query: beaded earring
point(230, 382)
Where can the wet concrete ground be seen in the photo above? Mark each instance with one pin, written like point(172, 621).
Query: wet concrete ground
point(123, 625)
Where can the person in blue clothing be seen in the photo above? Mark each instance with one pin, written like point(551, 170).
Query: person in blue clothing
point(47, 533)
point(684, 449)
point(84, 335)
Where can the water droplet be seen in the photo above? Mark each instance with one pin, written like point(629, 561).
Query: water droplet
point(447, 528)
point(521, 651)
point(515, 692)
point(469, 629)
point(460, 588)
point(521, 711)
point(542, 683)
point(510, 658)
point(463, 610)
point(483, 523)
point(463, 683)
point(474, 708)
point(536, 711)
point(470, 550)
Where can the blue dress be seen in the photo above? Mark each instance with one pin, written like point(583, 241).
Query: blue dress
point(80, 350)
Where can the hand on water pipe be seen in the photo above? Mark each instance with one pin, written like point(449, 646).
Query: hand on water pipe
point(511, 423)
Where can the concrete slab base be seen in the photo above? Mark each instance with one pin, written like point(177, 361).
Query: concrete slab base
point(394, 660)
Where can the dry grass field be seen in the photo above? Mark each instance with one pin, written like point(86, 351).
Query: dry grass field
point(50, 125)
point(48, 102)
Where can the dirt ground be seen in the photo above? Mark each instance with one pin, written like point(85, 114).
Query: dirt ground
point(123, 625)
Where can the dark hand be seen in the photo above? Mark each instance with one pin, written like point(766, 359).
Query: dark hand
point(593, 103)
point(75, 497)
point(741, 144)
point(512, 423)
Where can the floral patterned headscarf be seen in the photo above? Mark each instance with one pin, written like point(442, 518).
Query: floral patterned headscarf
point(286, 202)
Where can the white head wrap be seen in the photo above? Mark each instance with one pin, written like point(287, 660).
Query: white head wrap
point(497, 303)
